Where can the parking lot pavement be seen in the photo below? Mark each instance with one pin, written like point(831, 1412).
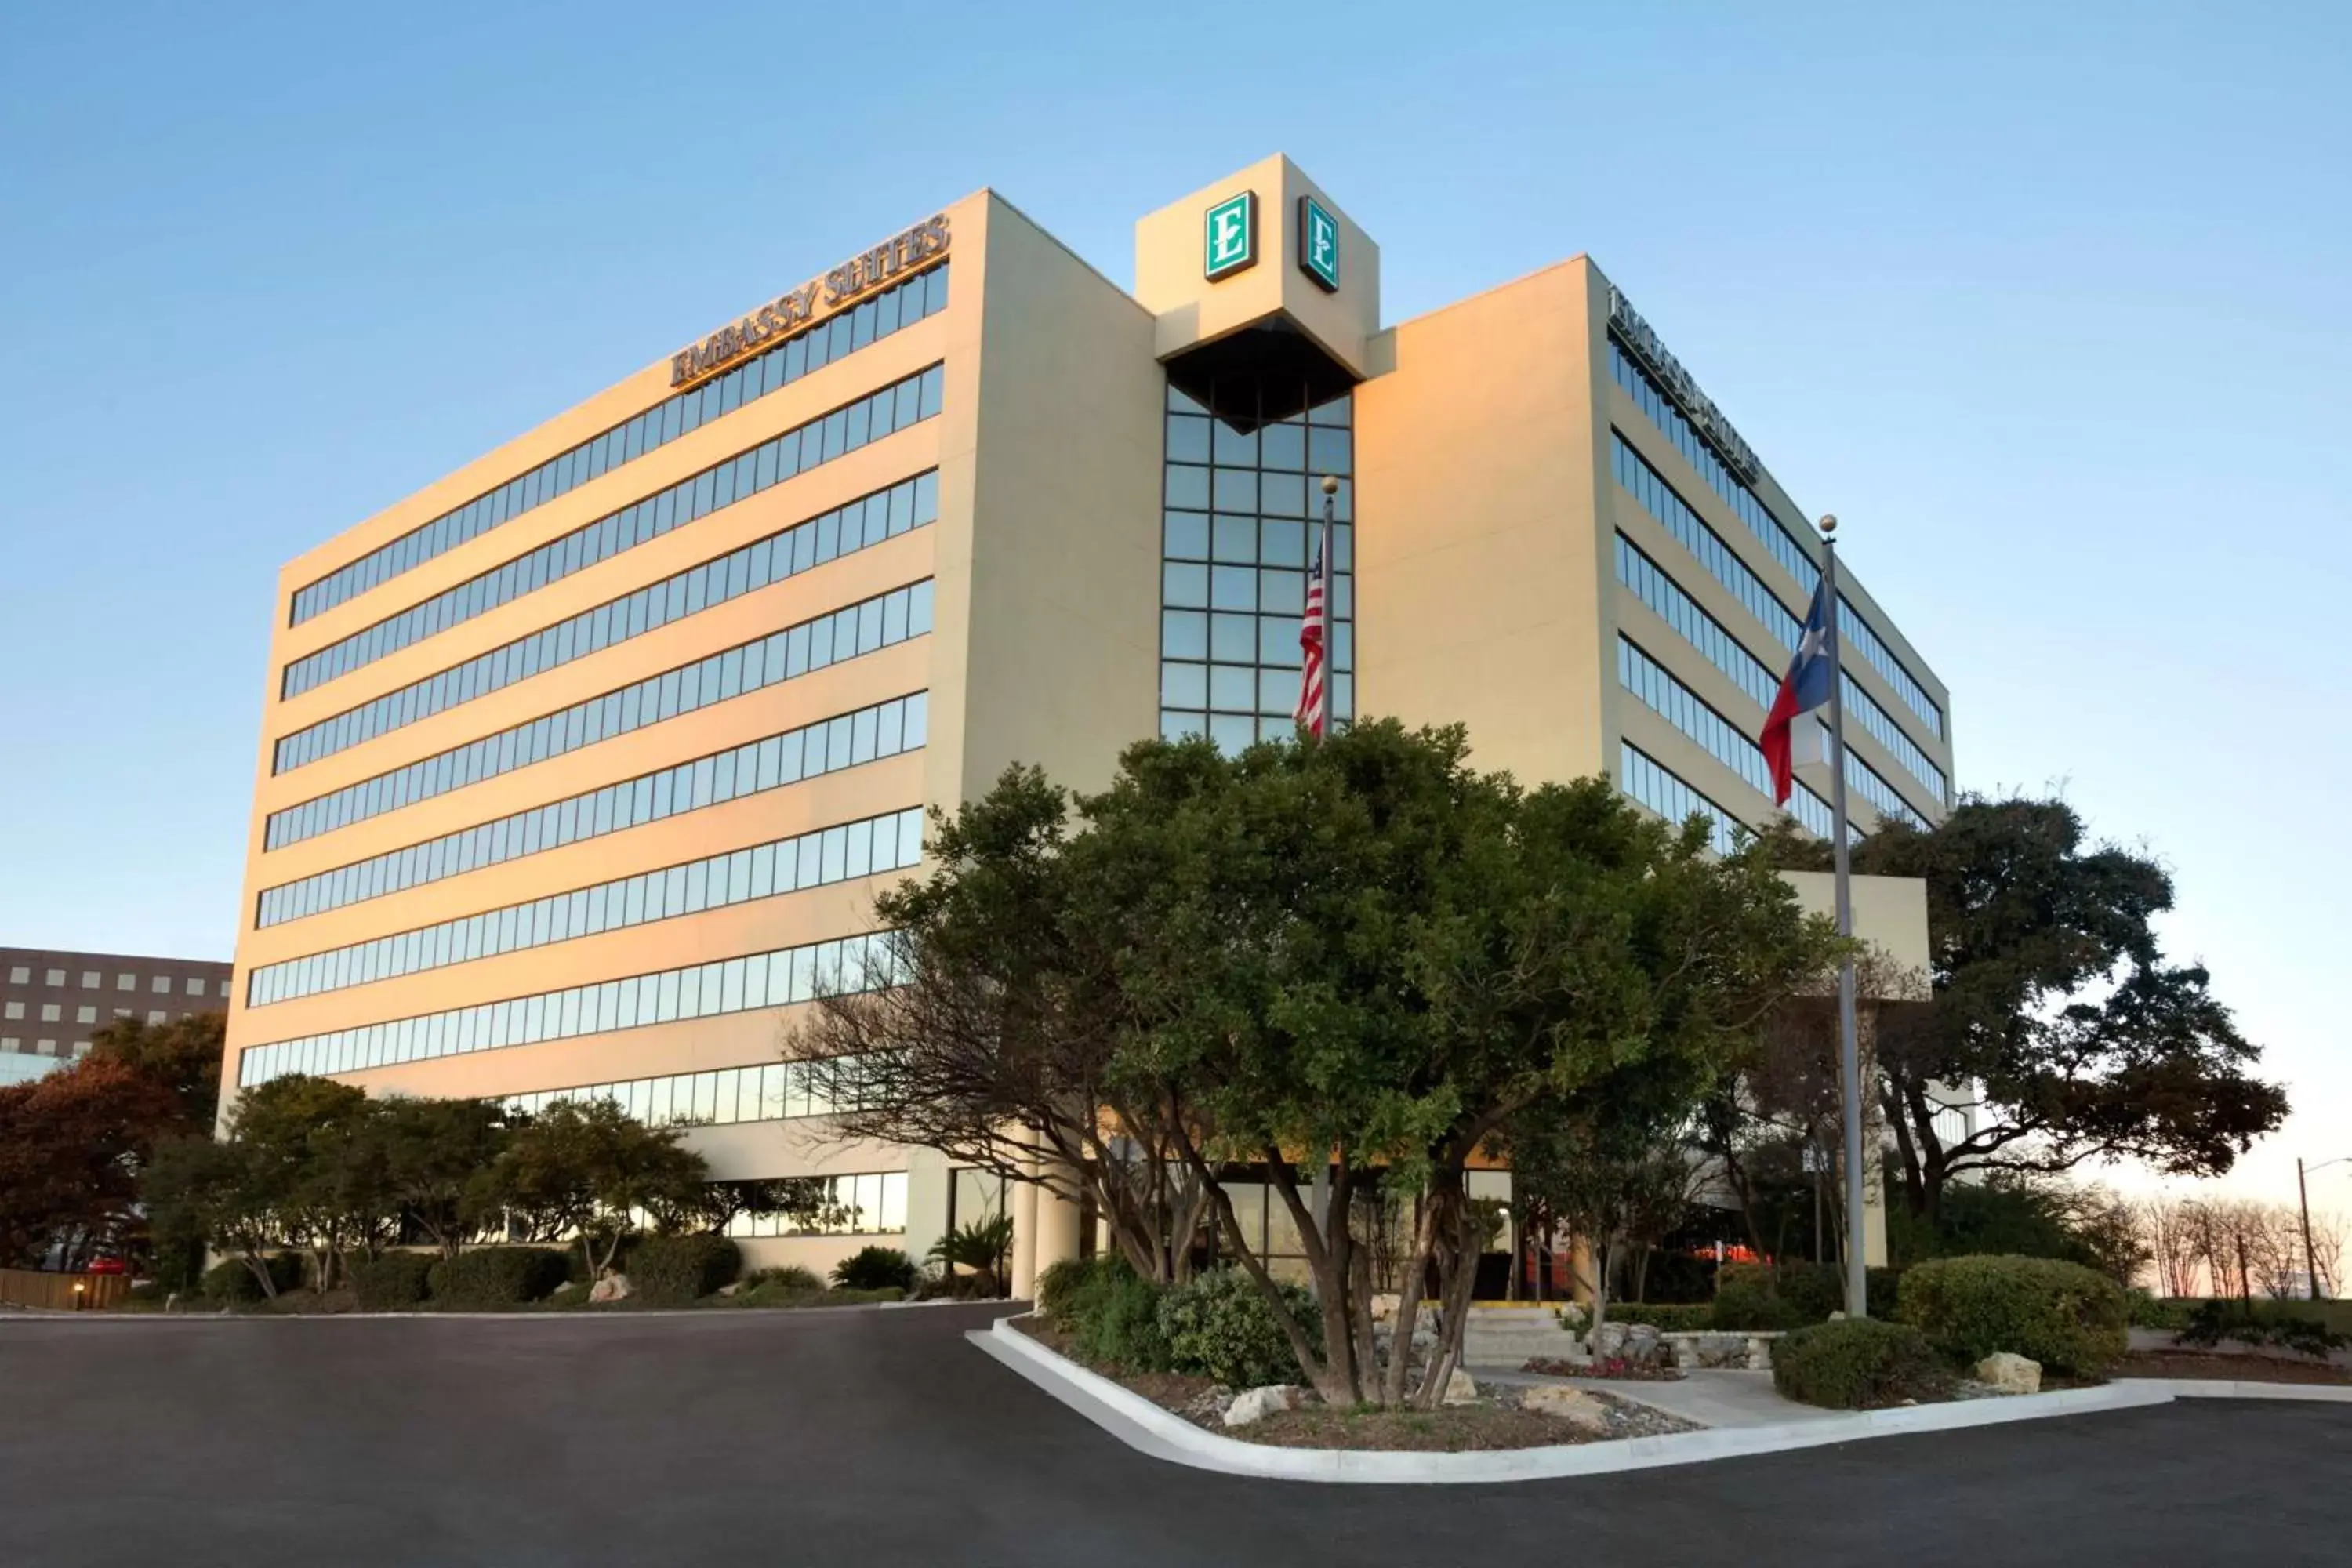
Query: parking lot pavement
point(872, 1436)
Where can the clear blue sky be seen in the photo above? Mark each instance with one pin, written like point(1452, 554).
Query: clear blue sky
point(2048, 303)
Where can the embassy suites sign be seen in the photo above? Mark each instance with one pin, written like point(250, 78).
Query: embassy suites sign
point(1644, 345)
point(796, 307)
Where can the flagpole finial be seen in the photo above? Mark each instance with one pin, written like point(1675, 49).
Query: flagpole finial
point(1828, 522)
point(1330, 484)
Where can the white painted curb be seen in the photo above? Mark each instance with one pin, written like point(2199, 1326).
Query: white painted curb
point(1144, 1425)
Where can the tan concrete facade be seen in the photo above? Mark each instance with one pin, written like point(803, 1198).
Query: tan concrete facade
point(1486, 515)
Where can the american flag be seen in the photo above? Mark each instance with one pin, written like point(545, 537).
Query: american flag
point(1314, 707)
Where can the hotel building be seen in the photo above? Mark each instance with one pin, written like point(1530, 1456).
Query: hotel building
point(581, 766)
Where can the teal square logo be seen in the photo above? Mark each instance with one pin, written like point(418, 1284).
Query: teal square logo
point(1318, 245)
point(1229, 238)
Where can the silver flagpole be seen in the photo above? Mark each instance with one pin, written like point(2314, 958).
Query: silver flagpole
point(1330, 592)
point(1857, 1280)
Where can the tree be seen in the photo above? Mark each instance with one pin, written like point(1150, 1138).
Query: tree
point(2051, 996)
point(71, 1146)
point(314, 1161)
point(437, 1161)
point(2169, 1239)
point(1355, 956)
point(220, 1192)
point(589, 1169)
point(997, 1046)
point(184, 1055)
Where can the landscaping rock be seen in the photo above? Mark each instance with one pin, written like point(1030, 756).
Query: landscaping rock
point(611, 1288)
point(1257, 1404)
point(1384, 1308)
point(1460, 1389)
point(1572, 1405)
point(1572, 1316)
point(2009, 1372)
point(731, 1288)
point(1609, 1341)
point(1759, 1352)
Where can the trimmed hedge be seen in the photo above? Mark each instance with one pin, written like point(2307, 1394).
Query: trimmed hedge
point(396, 1280)
point(680, 1269)
point(1220, 1325)
point(2071, 1319)
point(1857, 1364)
point(489, 1277)
point(876, 1268)
point(1670, 1317)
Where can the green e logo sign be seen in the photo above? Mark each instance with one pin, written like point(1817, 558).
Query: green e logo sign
point(1229, 238)
point(1318, 245)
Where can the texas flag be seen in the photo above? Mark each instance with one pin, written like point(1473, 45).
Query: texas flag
point(1805, 688)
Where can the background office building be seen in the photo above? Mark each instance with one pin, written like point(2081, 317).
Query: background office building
point(581, 768)
point(51, 1003)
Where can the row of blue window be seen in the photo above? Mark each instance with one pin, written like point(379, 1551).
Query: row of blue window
point(1746, 504)
point(1662, 502)
point(1652, 584)
point(1643, 780)
point(723, 1097)
point(630, 616)
point(813, 859)
point(776, 979)
point(909, 504)
point(901, 305)
point(1768, 530)
point(825, 746)
point(738, 478)
point(1717, 736)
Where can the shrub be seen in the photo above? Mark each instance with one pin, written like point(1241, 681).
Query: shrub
point(1219, 1324)
point(491, 1277)
point(392, 1281)
point(2070, 1317)
point(1858, 1363)
point(2211, 1323)
point(1062, 1283)
point(875, 1269)
point(680, 1269)
point(791, 1277)
point(1670, 1318)
point(2142, 1309)
point(1111, 1312)
point(231, 1281)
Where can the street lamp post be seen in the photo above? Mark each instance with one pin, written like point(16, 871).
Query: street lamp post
point(2303, 1201)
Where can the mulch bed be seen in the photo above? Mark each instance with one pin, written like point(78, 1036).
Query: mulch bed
point(1452, 1429)
point(2240, 1368)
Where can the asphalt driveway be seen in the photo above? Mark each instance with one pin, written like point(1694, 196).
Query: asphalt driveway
point(867, 1436)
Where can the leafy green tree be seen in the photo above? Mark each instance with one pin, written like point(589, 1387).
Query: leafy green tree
point(437, 1159)
point(998, 1048)
point(2052, 996)
point(316, 1162)
point(1357, 953)
point(217, 1191)
point(588, 1169)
